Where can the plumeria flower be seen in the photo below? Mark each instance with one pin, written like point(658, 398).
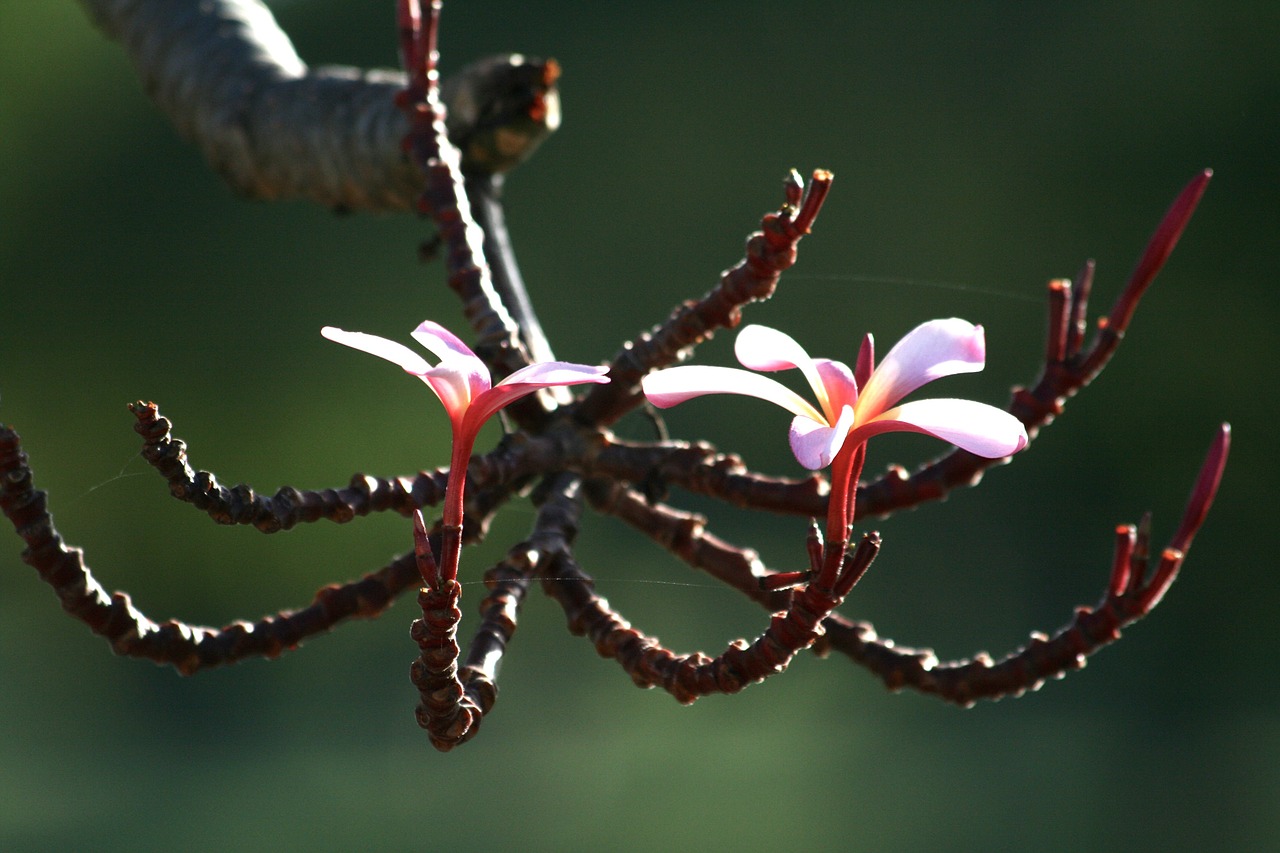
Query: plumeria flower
point(854, 405)
point(847, 414)
point(461, 380)
point(464, 386)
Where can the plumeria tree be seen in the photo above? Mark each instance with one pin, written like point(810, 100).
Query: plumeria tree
point(277, 129)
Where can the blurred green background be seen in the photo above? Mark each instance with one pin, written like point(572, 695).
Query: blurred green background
point(980, 149)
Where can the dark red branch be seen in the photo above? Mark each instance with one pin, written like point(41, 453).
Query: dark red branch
point(492, 477)
point(444, 199)
point(289, 506)
point(689, 676)
point(446, 711)
point(684, 534)
point(187, 648)
point(1131, 594)
point(769, 251)
point(508, 584)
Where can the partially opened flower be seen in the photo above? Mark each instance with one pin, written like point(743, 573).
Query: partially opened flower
point(461, 380)
point(847, 415)
point(464, 386)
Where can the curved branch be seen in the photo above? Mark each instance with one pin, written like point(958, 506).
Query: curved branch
point(230, 80)
point(187, 648)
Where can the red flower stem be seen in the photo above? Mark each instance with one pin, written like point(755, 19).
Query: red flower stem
point(845, 470)
point(454, 503)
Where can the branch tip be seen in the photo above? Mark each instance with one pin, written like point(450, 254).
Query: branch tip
point(1205, 490)
point(1158, 249)
point(815, 195)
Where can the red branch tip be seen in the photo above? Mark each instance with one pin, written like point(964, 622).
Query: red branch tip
point(1205, 490)
point(814, 196)
point(1158, 250)
point(1130, 559)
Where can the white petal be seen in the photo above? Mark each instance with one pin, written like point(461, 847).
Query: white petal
point(396, 353)
point(815, 444)
point(976, 427)
point(454, 354)
point(529, 379)
point(444, 344)
point(666, 388)
point(929, 351)
point(767, 349)
point(545, 374)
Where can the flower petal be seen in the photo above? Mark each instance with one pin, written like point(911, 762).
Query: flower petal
point(454, 390)
point(976, 427)
point(529, 379)
point(766, 349)
point(816, 444)
point(666, 388)
point(545, 374)
point(837, 379)
point(929, 351)
point(454, 354)
point(444, 344)
point(396, 353)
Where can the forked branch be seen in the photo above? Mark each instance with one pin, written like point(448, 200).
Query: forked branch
point(253, 95)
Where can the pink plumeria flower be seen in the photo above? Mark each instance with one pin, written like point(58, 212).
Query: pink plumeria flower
point(464, 385)
point(846, 415)
point(461, 380)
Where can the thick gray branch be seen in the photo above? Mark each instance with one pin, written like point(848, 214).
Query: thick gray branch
point(229, 79)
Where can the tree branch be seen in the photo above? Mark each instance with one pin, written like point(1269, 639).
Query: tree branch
point(230, 80)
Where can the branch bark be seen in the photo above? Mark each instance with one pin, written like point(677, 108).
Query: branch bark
point(229, 79)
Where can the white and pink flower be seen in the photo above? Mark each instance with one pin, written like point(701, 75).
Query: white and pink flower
point(852, 408)
point(465, 387)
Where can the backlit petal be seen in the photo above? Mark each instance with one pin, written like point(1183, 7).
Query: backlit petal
point(545, 374)
point(838, 381)
point(816, 444)
point(929, 351)
point(529, 379)
point(767, 349)
point(453, 389)
point(666, 388)
point(454, 354)
point(976, 427)
point(396, 353)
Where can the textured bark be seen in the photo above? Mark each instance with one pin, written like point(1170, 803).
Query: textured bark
point(229, 79)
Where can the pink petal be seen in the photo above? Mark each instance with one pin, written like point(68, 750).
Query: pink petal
point(453, 387)
point(766, 349)
point(815, 444)
point(526, 381)
point(444, 344)
point(396, 353)
point(837, 379)
point(666, 388)
point(763, 348)
point(929, 351)
point(548, 373)
point(454, 354)
point(976, 427)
